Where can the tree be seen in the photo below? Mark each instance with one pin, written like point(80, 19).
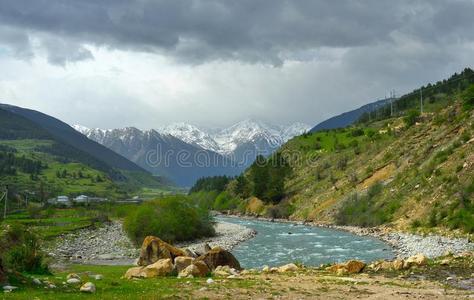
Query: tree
point(468, 98)
point(259, 175)
point(241, 187)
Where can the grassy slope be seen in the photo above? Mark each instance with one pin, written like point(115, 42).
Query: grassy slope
point(53, 184)
point(417, 176)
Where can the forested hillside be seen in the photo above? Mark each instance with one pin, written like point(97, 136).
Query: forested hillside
point(38, 161)
point(399, 167)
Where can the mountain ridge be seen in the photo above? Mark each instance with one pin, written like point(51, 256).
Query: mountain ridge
point(226, 152)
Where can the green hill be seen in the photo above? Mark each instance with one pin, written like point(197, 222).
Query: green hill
point(46, 161)
point(403, 169)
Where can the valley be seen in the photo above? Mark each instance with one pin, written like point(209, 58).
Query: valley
point(379, 206)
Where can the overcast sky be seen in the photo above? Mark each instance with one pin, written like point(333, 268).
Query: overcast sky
point(147, 63)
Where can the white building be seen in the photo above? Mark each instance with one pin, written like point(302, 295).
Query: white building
point(81, 199)
point(63, 200)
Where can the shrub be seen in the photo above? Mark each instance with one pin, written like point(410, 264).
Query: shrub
point(411, 118)
point(415, 224)
point(357, 132)
point(20, 250)
point(468, 98)
point(280, 211)
point(342, 163)
point(224, 201)
point(173, 218)
point(362, 210)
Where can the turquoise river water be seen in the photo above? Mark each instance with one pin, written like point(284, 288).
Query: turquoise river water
point(281, 243)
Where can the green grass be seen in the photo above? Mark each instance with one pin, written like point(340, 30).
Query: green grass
point(61, 221)
point(70, 185)
point(112, 286)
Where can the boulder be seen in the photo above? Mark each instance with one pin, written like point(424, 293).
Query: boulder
point(219, 257)
point(202, 248)
point(222, 271)
point(415, 260)
point(190, 253)
point(154, 249)
point(162, 267)
point(349, 267)
point(203, 268)
point(288, 268)
point(197, 269)
point(182, 262)
point(135, 272)
point(354, 266)
point(88, 287)
point(398, 264)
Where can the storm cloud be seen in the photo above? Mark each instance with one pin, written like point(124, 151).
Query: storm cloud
point(267, 31)
point(251, 56)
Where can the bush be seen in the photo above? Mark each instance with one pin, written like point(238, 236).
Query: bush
point(224, 201)
point(173, 218)
point(20, 250)
point(363, 210)
point(468, 98)
point(411, 118)
point(280, 211)
point(357, 132)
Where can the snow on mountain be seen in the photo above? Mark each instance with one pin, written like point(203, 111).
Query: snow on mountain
point(293, 130)
point(82, 129)
point(248, 131)
point(263, 136)
point(191, 135)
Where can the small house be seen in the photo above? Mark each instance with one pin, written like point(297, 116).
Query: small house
point(63, 200)
point(81, 199)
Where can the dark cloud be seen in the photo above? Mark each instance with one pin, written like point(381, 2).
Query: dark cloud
point(267, 31)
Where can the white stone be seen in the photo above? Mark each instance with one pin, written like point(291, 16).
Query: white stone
point(73, 281)
point(209, 281)
point(9, 288)
point(88, 287)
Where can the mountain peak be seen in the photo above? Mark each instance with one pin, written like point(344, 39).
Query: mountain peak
point(223, 141)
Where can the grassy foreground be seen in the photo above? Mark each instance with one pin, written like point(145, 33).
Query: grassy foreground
point(428, 282)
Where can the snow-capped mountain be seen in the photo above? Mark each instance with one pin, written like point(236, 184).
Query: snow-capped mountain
point(226, 141)
point(191, 135)
point(239, 144)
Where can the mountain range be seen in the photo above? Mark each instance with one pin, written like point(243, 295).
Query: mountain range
point(184, 152)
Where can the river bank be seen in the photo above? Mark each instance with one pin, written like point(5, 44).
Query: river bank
point(403, 244)
point(109, 244)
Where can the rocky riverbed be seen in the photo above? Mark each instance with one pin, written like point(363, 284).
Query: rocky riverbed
point(407, 244)
point(109, 244)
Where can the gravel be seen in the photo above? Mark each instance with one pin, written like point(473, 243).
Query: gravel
point(407, 244)
point(109, 245)
point(432, 246)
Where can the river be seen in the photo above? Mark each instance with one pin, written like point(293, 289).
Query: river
point(281, 243)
